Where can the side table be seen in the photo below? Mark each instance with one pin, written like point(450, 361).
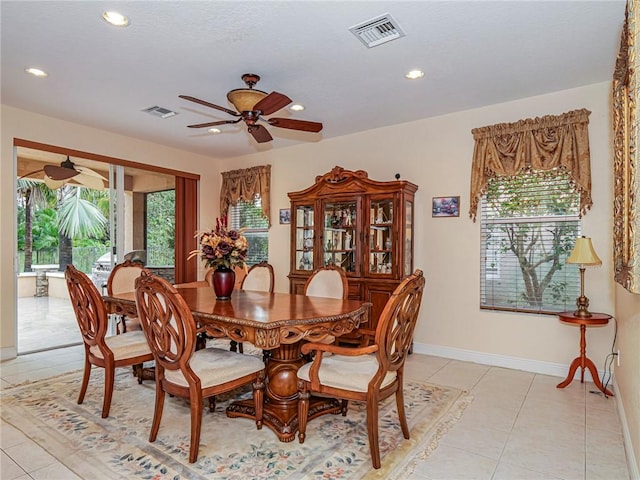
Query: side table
point(583, 361)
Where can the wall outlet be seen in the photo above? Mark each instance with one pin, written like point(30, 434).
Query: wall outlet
point(618, 358)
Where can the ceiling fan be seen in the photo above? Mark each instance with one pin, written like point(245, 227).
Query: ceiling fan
point(55, 176)
point(250, 105)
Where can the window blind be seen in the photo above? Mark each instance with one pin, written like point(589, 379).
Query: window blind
point(248, 217)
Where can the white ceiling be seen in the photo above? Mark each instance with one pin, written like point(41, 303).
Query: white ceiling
point(474, 54)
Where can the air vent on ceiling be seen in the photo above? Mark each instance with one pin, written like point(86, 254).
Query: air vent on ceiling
point(377, 31)
point(160, 112)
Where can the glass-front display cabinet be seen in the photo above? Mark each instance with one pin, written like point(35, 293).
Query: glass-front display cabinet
point(362, 225)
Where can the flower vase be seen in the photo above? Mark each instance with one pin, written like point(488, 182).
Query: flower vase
point(223, 282)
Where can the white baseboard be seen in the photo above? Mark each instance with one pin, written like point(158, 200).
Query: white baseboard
point(632, 463)
point(527, 365)
point(7, 353)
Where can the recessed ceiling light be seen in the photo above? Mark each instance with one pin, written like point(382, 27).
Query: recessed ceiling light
point(414, 74)
point(214, 130)
point(296, 107)
point(116, 19)
point(36, 72)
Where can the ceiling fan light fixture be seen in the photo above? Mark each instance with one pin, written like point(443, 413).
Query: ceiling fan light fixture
point(116, 19)
point(243, 99)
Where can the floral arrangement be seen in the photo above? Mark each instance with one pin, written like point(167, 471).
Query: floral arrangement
point(222, 248)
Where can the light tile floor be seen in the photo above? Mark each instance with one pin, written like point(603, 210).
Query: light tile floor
point(519, 425)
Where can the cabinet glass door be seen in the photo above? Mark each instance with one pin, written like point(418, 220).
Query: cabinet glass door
point(340, 234)
point(408, 238)
point(381, 241)
point(304, 237)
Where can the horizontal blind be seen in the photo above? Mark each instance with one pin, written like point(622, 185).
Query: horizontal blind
point(248, 217)
point(529, 224)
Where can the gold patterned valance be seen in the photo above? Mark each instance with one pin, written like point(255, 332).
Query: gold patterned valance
point(626, 159)
point(245, 184)
point(540, 144)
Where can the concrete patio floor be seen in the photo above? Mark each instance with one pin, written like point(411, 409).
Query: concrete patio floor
point(45, 323)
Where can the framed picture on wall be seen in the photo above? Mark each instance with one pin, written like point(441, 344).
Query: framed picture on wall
point(285, 215)
point(445, 207)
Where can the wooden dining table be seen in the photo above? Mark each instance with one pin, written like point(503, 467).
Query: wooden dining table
point(275, 322)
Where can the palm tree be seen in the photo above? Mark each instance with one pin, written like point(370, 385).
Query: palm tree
point(76, 217)
point(31, 195)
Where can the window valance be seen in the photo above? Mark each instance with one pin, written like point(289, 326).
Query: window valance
point(540, 144)
point(245, 184)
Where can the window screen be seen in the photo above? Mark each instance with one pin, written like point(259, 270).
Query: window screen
point(255, 227)
point(529, 224)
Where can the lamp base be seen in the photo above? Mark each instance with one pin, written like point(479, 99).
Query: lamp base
point(582, 303)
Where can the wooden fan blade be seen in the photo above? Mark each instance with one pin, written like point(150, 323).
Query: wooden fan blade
point(91, 173)
point(293, 124)
point(89, 181)
point(210, 105)
point(55, 172)
point(213, 124)
point(53, 184)
point(272, 103)
point(260, 133)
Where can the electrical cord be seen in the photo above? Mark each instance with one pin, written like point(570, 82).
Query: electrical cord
point(608, 362)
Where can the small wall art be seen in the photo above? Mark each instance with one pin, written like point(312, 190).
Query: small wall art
point(445, 207)
point(285, 216)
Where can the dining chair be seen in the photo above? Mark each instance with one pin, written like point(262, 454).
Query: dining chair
point(183, 371)
point(122, 350)
point(368, 374)
point(328, 281)
point(259, 278)
point(122, 279)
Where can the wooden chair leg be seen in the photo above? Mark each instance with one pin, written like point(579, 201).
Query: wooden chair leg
point(212, 404)
point(401, 412)
point(196, 424)
point(109, 379)
point(303, 410)
point(372, 430)
point(157, 413)
point(344, 406)
point(85, 380)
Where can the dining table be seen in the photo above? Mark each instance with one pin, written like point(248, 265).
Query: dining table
point(277, 323)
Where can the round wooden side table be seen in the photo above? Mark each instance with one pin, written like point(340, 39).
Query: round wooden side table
point(583, 361)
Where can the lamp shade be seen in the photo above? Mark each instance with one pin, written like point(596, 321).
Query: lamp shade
point(584, 253)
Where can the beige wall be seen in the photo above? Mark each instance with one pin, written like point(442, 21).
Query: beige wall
point(435, 154)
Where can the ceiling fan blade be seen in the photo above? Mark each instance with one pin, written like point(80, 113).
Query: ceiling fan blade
point(92, 173)
point(53, 184)
point(210, 105)
point(89, 181)
point(260, 133)
point(272, 103)
point(293, 124)
point(60, 173)
point(213, 124)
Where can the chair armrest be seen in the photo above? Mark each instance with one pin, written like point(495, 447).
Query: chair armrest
point(332, 348)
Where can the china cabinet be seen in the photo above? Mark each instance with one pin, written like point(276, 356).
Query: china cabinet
point(363, 225)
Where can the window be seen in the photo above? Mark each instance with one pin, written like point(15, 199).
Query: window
point(160, 228)
point(529, 223)
point(248, 216)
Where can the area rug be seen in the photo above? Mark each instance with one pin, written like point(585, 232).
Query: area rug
point(117, 447)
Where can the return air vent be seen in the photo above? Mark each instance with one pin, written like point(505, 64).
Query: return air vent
point(160, 112)
point(378, 30)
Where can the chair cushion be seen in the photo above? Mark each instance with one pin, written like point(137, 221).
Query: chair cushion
point(125, 345)
point(325, 283)
point(215, 366)
point(347, 373)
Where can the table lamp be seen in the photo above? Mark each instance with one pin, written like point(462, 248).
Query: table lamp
point(583, 254)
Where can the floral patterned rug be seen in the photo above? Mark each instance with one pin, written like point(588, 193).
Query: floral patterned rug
point(117, 447)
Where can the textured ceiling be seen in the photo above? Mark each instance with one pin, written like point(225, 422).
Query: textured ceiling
point(474, 54)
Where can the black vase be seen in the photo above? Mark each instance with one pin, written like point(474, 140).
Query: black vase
point(224, 280)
